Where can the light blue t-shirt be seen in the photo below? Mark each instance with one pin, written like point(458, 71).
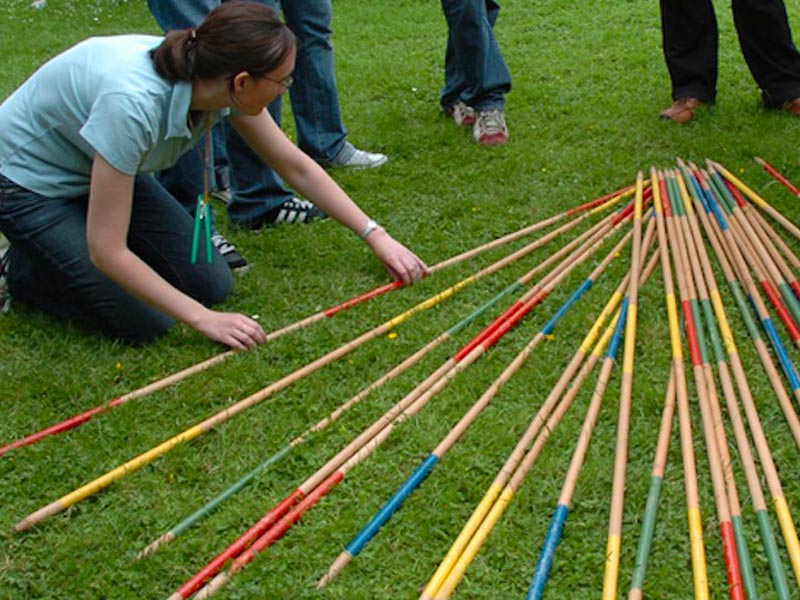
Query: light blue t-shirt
point(101, 96)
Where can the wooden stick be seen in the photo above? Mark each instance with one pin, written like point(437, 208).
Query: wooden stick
point(703, 312)
point(713, 299)
point(694, 336)
point(500, 493)
point(614, 541)
point(694, 518)
point(408, 487)
point(777, 176)
point(416, 399)
point(758, 200)
point(654, 493)
point(589, 208)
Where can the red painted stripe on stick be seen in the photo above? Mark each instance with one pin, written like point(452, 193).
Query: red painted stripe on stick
point(735, 193)
point(516, 318)
point(665, 204)
point(362, 298)
point(628, 210)
point(623, 214)
point(795, 285)
point(780, 308)
point(277, 531)
point(237, 547)
point(732, 569)
point(487, 331)
point(691, 333)
point(66, 425)
point(597, 201)
point(774, 172)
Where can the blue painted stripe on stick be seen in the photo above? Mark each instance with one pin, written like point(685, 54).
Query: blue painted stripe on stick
point(394, 503)
point(723, 223)
point(551, 540)
point(551, 324)
point(619, 329)
point(783, 357)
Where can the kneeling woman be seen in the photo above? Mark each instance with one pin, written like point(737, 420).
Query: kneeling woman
point(94, 237)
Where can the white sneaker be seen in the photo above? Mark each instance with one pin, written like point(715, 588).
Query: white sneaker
point(350, 156)
point(490, 128)
point(462, 115)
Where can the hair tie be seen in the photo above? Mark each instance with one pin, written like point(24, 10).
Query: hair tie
point(191, 41)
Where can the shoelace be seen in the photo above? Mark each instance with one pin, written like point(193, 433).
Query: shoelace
point(5, 298)
point(492, 121)
point(4, 260)
point(223, 245)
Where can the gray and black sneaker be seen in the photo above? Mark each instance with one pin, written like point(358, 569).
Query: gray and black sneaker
point(293, 210)
point(235, 261)
point(5, 297)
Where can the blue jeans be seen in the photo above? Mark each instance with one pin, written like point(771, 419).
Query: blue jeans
point(474, 70)
point(50, 267)
point(256, 189)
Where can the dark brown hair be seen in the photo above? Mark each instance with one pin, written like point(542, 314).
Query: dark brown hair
point(234, 37)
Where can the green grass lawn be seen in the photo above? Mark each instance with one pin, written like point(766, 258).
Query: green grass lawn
point(589, 80)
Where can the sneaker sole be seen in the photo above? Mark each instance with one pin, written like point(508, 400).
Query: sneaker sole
point(493, 140)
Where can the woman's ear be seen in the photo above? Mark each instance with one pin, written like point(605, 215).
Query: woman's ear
point(240, 81)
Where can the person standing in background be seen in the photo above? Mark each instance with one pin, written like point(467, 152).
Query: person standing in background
point(476, 78)
point(690, 38)
point(258, 196)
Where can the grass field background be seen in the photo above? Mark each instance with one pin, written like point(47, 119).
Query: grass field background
point(588, 83)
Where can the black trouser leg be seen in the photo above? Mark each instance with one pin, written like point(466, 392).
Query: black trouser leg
point(766, 41)
point(689, 33)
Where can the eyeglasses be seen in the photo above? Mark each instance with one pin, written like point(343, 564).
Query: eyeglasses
point(286, 82)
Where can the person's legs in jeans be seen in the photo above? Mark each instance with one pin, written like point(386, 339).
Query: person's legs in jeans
point(314, 95)
point(180, 14)
point(255, 188)
point(50, 267)
point(184, 180)
point(475, 72)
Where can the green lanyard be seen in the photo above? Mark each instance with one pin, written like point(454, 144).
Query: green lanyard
point(202, 213)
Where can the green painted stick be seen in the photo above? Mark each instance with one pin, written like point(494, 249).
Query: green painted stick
point(765, 456)
point(654, 492)
point(705, 314)
point(695, 337)
point(694, 518)
point(714, 317)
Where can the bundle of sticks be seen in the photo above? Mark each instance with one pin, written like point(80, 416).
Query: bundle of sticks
point(683, 220)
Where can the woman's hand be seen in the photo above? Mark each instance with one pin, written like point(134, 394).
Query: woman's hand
point(401, 262)
point(235, 330)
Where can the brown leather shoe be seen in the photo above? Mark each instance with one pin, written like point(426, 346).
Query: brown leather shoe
point(682, 110)
point(792, 106)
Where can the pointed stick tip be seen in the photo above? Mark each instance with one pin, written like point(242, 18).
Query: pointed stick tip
point(40, 515)
point(153, 546)
point(760, 161)
point(213, 586)
point(335, 568)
